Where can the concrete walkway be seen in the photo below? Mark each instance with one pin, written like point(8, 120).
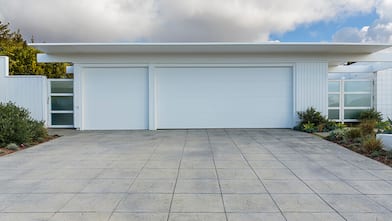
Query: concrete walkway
point(235, 175)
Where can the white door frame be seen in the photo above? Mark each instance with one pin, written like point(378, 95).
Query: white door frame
point(50, 111)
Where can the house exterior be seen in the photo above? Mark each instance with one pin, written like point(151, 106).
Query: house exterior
point(202, 85)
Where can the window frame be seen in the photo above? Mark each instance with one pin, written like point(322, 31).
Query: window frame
point(54, 94)
point(342, 93)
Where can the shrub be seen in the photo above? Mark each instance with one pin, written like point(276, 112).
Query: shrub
point(330, 125)
point(340, 125)
point(309, 127)
point(37, 130)
point(370, 144)
point(16, 125)
point(370, 114)
point(337, 135)
point(353, 133)
point(12, 146)
point(384, 127)
point(367, 127)
point(311, 116)
point(13, 124)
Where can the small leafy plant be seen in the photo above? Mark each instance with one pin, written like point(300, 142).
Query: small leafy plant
point(367, 127)
point(338, 135)
point(312, 120)
point(353, 133)
point(309, 127)
point(310, 115)
point(370, 144)
point(370, 114)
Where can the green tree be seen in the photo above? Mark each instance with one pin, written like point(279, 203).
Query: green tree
point(23, 58)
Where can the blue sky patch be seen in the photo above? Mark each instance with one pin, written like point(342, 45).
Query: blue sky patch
point(324, 30)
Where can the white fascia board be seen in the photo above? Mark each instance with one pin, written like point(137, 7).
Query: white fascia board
point(375, 57)
point(210, 47)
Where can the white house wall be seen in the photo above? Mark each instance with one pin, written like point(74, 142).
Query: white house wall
point(26, 91)
point(384, 93)
point(311, 86)
point(309, 78)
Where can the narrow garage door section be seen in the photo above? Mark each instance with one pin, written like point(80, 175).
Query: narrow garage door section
point(224, 97)
point(115, 98)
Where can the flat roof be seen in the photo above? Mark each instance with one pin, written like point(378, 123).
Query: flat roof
point(264, 48)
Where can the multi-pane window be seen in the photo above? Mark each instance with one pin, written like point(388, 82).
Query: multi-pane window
point(347, 98)
point(61, 103)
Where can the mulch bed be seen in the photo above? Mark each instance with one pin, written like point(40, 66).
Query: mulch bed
point(4, 151)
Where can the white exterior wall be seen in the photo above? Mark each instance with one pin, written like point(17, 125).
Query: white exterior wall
point(310, 79)
point(384, 93)
point(311, 87)
point(26, 91)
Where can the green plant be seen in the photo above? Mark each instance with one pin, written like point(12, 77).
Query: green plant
point(370, 144)
point(16, 125)
point(327, 126)
point(37, 130)
point(370, 114)
point(12, 146)
point(384, 127)
point(367, 127)
point(13, 124)
point(353, 133)
point(340, 125)
point(310, 115)
point(377, 153)
point(337, 135)
point(309, 127)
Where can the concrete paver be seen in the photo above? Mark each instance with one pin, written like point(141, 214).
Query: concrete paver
point(206, 174)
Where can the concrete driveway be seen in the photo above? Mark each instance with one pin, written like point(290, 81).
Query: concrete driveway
point(217, 174)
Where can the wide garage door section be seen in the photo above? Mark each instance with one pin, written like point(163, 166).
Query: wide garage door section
point(224, 97)
point(115, 98)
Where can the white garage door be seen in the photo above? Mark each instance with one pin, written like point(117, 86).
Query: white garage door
point(232, 97)
point(115, 98)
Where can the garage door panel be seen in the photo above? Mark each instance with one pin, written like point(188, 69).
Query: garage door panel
point(115, 98)
point(224, 97)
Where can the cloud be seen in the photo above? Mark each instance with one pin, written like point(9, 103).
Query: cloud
point(170, 20)
point(380, 31)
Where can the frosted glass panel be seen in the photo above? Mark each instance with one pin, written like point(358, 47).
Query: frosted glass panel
point(62, 103)
point(62, 119)
point(333, 114)
point(333, 100)
point(358, 86)
point(333, 86)
point(61, 86)
point(357, 100)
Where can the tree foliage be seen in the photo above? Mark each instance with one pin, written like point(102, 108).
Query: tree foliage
point(23, 57)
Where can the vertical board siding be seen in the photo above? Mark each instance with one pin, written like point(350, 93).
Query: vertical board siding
point(30, 93)
point(311, 87)
point(384, 93)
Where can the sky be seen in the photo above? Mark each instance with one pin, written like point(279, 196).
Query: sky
point(200, 20)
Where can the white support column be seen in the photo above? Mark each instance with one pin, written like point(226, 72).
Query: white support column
point(3, 74)
point(151, 98)
point(78, 97)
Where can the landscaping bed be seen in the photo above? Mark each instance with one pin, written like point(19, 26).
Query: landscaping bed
point(5, 151)
point(361, 138)
point(380, 155)
point(18, 130)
